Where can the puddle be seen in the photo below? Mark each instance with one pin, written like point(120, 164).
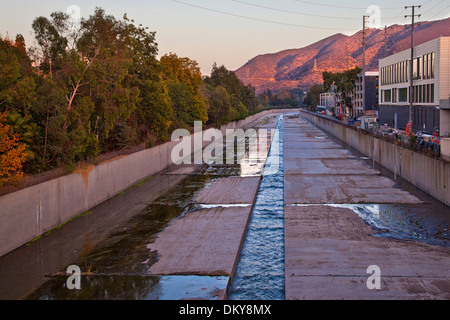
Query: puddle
point(427, 222)
point(210, 206)
point(402, 221)
point(134, 287)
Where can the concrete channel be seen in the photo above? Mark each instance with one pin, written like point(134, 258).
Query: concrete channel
point(175, 235)
point(329, 250)
point(180, 234)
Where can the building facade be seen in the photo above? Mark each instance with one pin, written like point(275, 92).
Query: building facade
point(371, 93)
point(327, 102)
point(431, 87)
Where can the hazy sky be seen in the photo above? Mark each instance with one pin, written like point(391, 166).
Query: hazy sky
point(229, 32)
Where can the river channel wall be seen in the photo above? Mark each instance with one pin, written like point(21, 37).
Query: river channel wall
point(29, 213)
point(429, 174)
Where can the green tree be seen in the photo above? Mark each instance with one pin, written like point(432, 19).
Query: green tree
point(184, 80)
point(312, 98)
point(219, 106)
point(344, 84)
point(153, 114)
point(239, 98)
point(17, 81)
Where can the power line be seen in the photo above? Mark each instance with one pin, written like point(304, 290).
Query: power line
point(294, 12)
point(401, 14)
point(433, 7)
point(258, 19)
point(440, 12)
point(342, 7)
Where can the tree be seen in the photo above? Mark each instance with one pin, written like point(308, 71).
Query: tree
point(312, 98)
point(51, 42)
point(153, 115)
point(220, 105)
point(184, 80)
point(12, 154)
point(344, 84)
point(239, 98)
point(17, 81)
point(227, 79)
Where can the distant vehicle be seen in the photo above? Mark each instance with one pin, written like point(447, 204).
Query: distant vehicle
point(424, 134)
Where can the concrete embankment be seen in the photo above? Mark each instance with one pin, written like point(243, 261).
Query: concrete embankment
point(29, 213)
point(428, 174)
point(328, 247)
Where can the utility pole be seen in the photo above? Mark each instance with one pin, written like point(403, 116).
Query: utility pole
point(364, 65)
point(346, 48)
point(385, 40)
point(411, 86)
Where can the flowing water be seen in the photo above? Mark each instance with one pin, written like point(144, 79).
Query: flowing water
point(260, 270)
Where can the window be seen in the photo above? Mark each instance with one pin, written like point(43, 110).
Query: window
point(432, 93)
point(407, 66)
point(403, 71)
point(396, 73)
point(403, 95)
point(416, 68)
point(432, 65)
point(387, 95)
point(425, 66)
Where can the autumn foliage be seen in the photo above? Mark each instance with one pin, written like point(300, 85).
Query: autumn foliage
point(12, 154)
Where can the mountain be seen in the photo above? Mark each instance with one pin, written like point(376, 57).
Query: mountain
point(301, 68)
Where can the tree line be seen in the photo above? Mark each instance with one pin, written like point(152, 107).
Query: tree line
point(95, 86)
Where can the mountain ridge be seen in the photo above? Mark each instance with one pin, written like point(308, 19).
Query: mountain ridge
point(303, 67)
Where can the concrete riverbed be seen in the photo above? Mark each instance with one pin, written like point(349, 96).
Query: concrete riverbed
point(175, 235)
point(179, 234)
point(328, 248)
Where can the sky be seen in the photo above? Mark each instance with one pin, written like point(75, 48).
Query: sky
point(228, 32)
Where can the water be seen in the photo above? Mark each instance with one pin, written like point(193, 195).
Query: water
point(260, 270)
point(134, 287)
point(121, 258)
point(428, 222)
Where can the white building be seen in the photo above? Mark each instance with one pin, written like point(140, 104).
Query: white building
point(431, 73)
point(328, 100)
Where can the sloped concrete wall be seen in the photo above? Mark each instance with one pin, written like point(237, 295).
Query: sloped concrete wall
point(29, 213)
point(428, 174)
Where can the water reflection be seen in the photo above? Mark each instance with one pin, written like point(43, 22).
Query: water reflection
point(402, 221)
point(134, 287)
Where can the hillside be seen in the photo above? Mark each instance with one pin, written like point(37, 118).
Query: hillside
point(303, 67)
